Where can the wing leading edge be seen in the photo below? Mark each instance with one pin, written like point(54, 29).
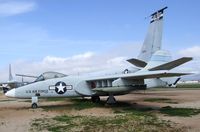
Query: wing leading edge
point(140, 75)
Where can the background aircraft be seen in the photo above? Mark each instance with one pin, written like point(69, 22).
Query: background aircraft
point(11, 83)
point(153, 69)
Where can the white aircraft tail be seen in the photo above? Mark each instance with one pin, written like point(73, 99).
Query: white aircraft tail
point(10, 78)
point(152, 42)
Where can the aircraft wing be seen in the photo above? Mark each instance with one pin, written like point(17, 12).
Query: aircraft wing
point(140, 75)
point(127, 82)
point(172, 64)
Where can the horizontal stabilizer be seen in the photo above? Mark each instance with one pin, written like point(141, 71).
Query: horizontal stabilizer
point(137, 62)
point(172, 64)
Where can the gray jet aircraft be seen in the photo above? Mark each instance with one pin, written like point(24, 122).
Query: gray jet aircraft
point(153, 69)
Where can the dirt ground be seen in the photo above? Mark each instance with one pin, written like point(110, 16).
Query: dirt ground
point(16, 115)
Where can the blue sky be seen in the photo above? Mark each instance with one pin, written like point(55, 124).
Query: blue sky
point(32, 30)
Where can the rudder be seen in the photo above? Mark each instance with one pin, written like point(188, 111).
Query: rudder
point(153, 39)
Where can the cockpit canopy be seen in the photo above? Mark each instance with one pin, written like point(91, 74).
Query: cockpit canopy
point(49, 75)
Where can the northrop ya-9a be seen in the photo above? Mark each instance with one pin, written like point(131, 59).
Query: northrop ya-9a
point(152, 68)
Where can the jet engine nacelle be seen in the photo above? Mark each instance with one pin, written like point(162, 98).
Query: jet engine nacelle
point(156, 82)
point(162, 82)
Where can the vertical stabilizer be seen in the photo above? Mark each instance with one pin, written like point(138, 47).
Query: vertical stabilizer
point(10, 73)
point(153, 39)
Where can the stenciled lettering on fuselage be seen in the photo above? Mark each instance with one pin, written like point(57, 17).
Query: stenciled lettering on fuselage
point(36, 91)
point(60, 87)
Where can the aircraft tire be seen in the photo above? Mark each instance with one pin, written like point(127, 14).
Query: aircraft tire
point(34, 105)
point(95, 99)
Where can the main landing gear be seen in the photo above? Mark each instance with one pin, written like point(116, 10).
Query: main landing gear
point(34, 101)
point(111, 99)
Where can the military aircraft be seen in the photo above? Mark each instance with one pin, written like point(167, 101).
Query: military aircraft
point(12, 83)
point(152, 68)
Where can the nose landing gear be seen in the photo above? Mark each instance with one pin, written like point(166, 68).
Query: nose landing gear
point(34, 102)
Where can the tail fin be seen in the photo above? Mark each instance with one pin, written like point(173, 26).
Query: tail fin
point(153, 39)
point(10, 73)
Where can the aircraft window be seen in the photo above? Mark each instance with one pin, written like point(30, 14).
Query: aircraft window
point(49, 75)
point(40, 78)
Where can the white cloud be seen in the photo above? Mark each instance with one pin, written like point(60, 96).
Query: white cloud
point(192, 51)
point(60, 61)
point(117, 61)
point(9, 8)
point(80, 63)
point(86, 55)
point(86, 62)
point(52, 59)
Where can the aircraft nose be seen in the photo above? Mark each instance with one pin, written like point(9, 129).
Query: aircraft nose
point(10, 93)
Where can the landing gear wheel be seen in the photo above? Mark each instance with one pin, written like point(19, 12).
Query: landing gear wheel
point(34, 105)
point(95, 99)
